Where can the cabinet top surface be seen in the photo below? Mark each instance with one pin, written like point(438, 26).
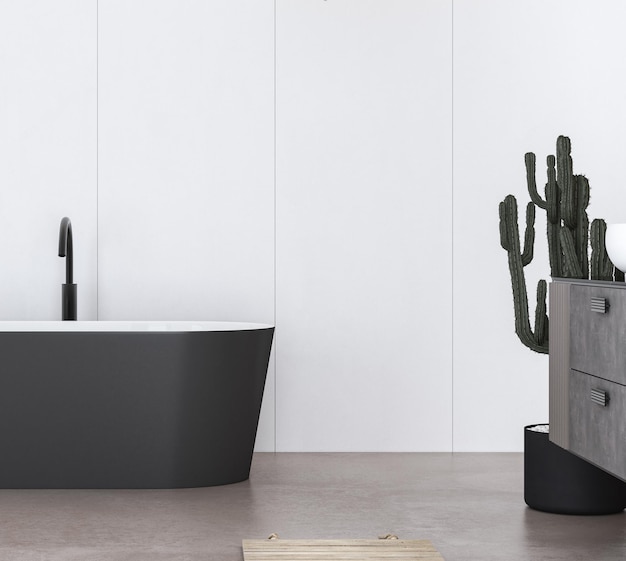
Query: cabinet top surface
point(587, 282)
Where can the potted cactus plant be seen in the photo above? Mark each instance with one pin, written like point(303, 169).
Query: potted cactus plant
point(556, 480)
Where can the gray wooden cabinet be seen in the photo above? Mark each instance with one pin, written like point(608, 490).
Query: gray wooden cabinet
point(588, 371)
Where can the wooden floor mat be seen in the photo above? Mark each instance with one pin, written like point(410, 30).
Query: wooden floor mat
point(339, 550)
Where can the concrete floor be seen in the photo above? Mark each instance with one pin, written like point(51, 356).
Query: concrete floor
point(469, 505)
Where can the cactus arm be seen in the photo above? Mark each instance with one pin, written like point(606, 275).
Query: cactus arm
point(608, 267)
point(581, 234)
point(555, 251)
point(553, 211)
point(582, 245)
point(541, 316)
point(552, 193)
point(601, 266)
point(508, 213)
point(529, 160)
point(504, 239)
point(582, 184)
point(529, 235)
point(574, 192)
point(571, 266)
point(565, 180)
point(595, 244)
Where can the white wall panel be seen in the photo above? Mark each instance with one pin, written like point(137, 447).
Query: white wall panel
point(363, 225)
point(186, 173)
point(523, 74)
point(156, 136)
point(47, 153)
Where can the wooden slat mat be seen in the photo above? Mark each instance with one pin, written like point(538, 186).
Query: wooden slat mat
point(339, 550)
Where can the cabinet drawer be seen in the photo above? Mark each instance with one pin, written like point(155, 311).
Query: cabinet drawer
point(598, 331)
point(597, 430)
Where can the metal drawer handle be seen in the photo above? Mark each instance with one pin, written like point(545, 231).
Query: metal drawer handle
point(599, 305)
point(600, 397)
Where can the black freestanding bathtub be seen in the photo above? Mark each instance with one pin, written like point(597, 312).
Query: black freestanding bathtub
point(129, 404)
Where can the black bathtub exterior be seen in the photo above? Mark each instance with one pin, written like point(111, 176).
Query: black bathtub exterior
point(104, 410)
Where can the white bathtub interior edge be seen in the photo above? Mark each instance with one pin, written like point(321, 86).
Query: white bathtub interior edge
point(116, 326)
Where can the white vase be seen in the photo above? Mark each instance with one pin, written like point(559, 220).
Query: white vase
point(616, 244)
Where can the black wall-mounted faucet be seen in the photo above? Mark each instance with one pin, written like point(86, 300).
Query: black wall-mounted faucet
point(68, 294)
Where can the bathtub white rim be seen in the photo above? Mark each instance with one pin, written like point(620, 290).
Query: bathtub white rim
point(130, 326)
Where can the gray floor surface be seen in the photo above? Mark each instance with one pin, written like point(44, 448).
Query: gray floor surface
point(469, 505)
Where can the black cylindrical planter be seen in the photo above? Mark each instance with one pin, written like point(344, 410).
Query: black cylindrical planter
point(557, 481)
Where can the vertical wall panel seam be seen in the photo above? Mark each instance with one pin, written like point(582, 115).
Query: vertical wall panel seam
point(97, 160)
point(452, 219)
point(275, 221)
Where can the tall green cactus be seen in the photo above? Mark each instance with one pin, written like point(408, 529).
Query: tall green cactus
point(536, 340)
point(566, 201)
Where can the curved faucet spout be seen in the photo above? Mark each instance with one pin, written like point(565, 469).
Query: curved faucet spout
point(68, 298)
point(65, 248)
